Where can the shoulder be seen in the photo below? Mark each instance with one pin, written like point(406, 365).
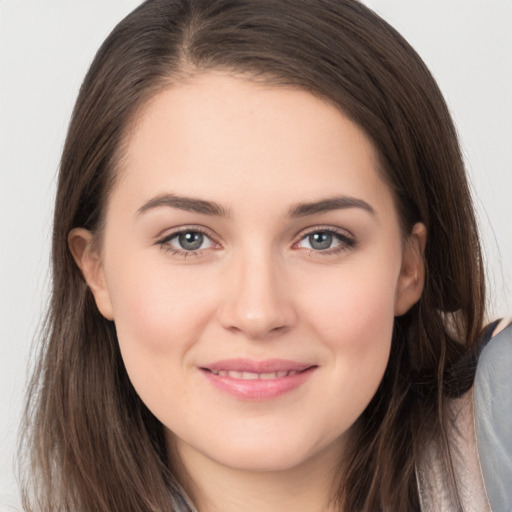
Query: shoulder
point(479, 437)
point(493, 416)
point(496, 355)
point(494, 366)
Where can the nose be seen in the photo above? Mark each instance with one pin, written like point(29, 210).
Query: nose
point(257, 300)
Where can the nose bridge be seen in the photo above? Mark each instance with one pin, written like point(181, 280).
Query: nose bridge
point(257, 303)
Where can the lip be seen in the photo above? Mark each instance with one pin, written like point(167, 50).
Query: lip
point(256, 388)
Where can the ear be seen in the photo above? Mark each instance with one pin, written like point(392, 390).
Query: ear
point(412, 274)
point(87, 257)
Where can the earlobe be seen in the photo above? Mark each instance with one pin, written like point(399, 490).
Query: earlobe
point(412, 273)
point(87, 257)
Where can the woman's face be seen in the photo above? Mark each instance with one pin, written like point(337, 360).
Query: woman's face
point(253, 263)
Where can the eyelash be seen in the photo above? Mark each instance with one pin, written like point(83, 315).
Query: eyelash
point(164, 242)
point(347, 242)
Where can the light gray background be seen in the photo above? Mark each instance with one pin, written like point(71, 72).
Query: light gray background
point(45, 49)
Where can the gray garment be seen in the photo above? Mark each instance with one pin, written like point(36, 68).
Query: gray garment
point(181, 502)
point(493, 419)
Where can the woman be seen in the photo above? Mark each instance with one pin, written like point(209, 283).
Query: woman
point(268, 289)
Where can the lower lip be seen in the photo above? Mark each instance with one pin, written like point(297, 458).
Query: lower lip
point(258, 389)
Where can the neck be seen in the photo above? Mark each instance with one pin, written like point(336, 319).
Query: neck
point(214, 487)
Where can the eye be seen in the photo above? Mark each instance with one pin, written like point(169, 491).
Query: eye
point(189, 241)
point(186, 242)
point(325, 240)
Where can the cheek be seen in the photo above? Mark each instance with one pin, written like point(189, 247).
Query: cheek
point(353, 316)
point(360, 335)
point(355, 304)
point(156, 307)
point(158, 315)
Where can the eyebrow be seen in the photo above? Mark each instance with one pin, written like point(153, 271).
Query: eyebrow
point(329, 204)
point(189, 204)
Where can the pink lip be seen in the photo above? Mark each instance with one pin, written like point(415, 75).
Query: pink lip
point(258, 389)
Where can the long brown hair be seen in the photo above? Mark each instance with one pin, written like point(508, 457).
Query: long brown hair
point(91, 442)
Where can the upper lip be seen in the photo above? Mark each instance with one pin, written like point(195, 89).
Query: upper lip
point(248, 365)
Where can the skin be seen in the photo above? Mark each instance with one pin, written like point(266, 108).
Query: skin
point(257, 288)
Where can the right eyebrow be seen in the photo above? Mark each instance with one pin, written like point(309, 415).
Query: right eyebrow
point(189, 204)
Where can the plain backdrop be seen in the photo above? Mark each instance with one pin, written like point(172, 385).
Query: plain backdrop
point(45, 49)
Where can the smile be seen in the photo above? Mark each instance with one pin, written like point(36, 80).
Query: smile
point(252, 380)
point(254, 376)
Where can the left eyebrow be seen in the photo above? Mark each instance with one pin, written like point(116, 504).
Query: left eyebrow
point(329, 204)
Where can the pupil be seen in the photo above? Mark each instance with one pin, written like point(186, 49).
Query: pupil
point(190, 241)
point(320, 241)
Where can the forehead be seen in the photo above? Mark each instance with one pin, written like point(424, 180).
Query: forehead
point(216, 133)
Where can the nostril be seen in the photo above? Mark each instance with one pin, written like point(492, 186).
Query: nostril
point(280, 329)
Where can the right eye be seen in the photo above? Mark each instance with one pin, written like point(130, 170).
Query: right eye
point(186, 242)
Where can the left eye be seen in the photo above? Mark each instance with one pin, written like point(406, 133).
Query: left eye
point(324, 240)
point(188, 241)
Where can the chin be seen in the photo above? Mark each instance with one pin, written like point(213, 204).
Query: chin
point(264, 460)
point(270, 453)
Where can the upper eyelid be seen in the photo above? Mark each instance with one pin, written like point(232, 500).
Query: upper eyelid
point(325, 229)
point(170, 233)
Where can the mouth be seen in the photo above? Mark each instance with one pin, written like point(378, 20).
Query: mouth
point(253, 375)
point(257, 380)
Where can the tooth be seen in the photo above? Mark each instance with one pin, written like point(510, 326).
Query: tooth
point(268, 375)
point(249, 375)
point(254, 376)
